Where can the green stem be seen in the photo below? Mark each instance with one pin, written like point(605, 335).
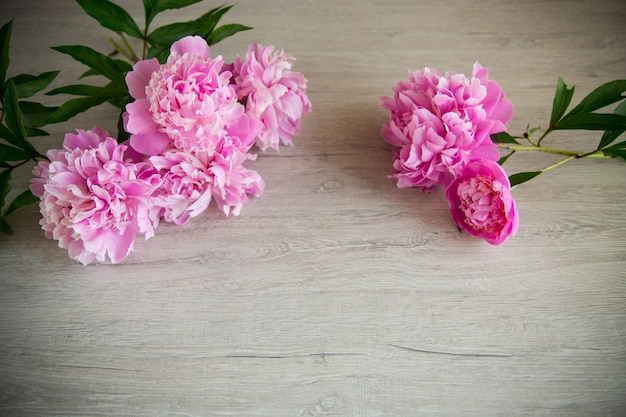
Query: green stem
point(556, 164)
point(133, 55)
point(577, 155)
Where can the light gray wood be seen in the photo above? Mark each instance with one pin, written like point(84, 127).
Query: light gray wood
point(336, 293)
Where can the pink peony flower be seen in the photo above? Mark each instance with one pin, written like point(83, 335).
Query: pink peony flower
point(95, 196)
point(441, 123)
point(481, 203)
point(192, 180)
point(187, 103)
point(274, 94)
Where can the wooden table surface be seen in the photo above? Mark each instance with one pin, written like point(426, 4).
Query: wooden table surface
point(337, 293)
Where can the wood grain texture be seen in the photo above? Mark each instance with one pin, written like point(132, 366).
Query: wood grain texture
point(336, 293)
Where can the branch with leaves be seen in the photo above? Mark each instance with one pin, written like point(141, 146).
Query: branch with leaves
point(582, 117)
point(21, 120)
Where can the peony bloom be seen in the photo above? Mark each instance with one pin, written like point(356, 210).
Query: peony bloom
point(190, 181)
point(441, 123)
point(481, 203)
point(274, 94)
point(95, 196)
point(187, 103)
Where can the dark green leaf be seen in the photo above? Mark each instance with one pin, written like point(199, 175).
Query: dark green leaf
point(4, 226)
point(615, 152)
point(24, 199)
point(224, 32)
point(11, 153)
point(522, 177)
point(593, 121)
point(5, 40)
point(503, 159)
point(32, 132)
point(610, 135)
point(154, 7)
point(27, 85)
point(7, 135)
point(5, 187)
point(503, 137)
point(35, 114)
point(14, 117)
point(73, 107)
point(562, 98)
point(111, 16)
point(168, 34)
point(86, 90)
point(98, 62)
point(124, 66)
point(602, 96)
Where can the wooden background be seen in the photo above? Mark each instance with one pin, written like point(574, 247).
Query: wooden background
point(336, 293)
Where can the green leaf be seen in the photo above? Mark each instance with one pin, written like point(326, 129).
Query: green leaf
point(27, 85)
point(593, 121)
point(5, 187)
point(168, 34)
point(562, 98)
point(610, 135)
point(14, 117)
point(98, 62)
point(522, 177)
point(5, 39)
point(73, 107)
point(24, 199)
point(111, 16)
point(86, 90)
point(35, 114)
point(602, 96)
point(32, 132)
point(11, 153)
point(503, 137)
point(154, 7)
point(503, 159)
point(224, 32)
point(4, 226)
point(614, 152)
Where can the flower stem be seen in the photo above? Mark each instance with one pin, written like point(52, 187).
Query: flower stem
point(577, 155)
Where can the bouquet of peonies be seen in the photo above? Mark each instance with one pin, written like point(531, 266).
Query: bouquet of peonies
point(448, 130)
point(188, 122)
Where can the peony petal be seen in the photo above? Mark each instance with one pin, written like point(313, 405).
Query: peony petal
point(139, 77)
point(194, 45)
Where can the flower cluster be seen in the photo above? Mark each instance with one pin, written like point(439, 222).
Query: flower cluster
point(441, 126)
point(192, 125)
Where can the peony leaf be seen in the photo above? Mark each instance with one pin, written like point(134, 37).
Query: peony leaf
point(11, 153)
point(166, 35)
point(522, 177)
point(503, 137)
point(27, 85)
point(111, 16)
point(32, 132)
point(24, 199)
point(609, 136)
point(592, 121)
point(4, 226)
point(224, 32)
point(5, 187)
point(503, 159)
point(616, 152)
point(607, 93)
point(5, 39)
point(562, 98)
point(73, 107)
point(98, 62)
point(154, 7)
point(14, 118)
point(35, 114)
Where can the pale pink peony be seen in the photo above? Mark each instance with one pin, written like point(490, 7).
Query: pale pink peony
point(441, 123)
point(273, 93)
point(187, 103)
point(481, 203)
point(95, 196)
point(191, 181)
